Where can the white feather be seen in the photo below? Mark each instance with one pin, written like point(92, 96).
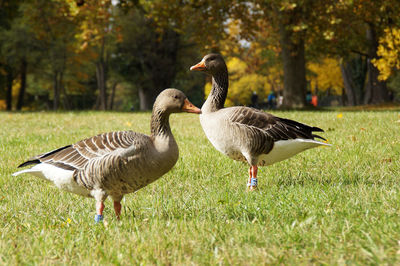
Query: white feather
point(61, 178)
point(284, 149)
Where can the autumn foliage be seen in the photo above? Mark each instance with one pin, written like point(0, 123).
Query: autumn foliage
point(87, 54)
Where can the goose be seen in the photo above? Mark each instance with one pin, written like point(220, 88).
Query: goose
point(115, 163)
point(247, 134)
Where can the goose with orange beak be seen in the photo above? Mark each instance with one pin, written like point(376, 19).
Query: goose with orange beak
point(247, 134)
point(115, 163)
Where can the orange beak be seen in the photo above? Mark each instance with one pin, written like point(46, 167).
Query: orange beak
point(200, 66)
point(190, 108)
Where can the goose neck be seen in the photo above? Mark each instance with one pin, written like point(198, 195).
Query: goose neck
point(216, 98)
point(160, 123)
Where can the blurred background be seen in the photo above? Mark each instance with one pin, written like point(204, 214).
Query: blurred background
point(119, 54)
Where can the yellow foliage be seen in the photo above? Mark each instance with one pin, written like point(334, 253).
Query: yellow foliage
point(240, 90)
point(236, 68)
point(389, 53)
point(327, 75)
point(242, 84)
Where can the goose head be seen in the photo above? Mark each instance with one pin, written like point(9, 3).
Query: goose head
point(174, 101)
point(212, 64)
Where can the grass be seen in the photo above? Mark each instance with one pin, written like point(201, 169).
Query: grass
point(337, 205)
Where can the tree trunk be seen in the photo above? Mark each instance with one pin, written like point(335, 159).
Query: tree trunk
point(101, 85)
point(56, 91)
point(101, 77)
point(146, 99)
point(376, 90)
point(354, 73)
point(111, 100)
point(10, 79)
point(21, 95)
point(65, 99)
point(294, 68)
point(348, 87)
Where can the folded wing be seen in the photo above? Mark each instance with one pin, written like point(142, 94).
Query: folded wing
point(76, 156)
point(263, 129)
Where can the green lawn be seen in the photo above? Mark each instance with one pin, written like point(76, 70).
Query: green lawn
point(332, 205)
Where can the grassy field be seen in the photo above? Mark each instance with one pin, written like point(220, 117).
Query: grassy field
point(337, 205)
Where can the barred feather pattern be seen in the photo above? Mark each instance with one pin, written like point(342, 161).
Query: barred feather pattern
point(113, 162)
point(116, 163)
point(76, 156)
point(261, 130)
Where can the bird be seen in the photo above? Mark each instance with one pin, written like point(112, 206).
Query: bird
point(115, 163)
point(248, 134)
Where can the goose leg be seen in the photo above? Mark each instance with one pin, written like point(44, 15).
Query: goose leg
point(117, 205)
point(99, 211)
point(117, 208)
point(252, 182)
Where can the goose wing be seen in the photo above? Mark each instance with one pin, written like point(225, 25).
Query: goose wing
point(274, 127)
point(263, 129)
point(76, 156)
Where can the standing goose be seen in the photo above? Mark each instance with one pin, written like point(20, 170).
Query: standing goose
point(247, 134)
point(116, 163)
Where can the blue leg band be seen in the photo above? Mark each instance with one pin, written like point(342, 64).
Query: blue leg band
point(253, 182)
point(98, 218)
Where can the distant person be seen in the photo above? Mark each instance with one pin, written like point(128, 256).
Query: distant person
point(271, 100)
point(314, 100)
point(308, 98)
point(254, 100)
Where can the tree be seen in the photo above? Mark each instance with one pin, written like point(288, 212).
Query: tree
point(291, 21)
point(354, 73)
point(147, 57)
point(9, 10)
point(97, 32)
point(158, 48)
point(17, 54)
point(355, 29)
point(54, 29)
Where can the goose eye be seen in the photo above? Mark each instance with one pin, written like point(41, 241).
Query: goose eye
point(176, 96)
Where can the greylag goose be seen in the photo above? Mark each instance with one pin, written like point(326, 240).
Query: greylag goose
point(247, 134)
point(116, 163)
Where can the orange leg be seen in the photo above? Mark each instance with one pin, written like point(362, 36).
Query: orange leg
point(117, 208)
point(252, 183)
point(99, 211)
